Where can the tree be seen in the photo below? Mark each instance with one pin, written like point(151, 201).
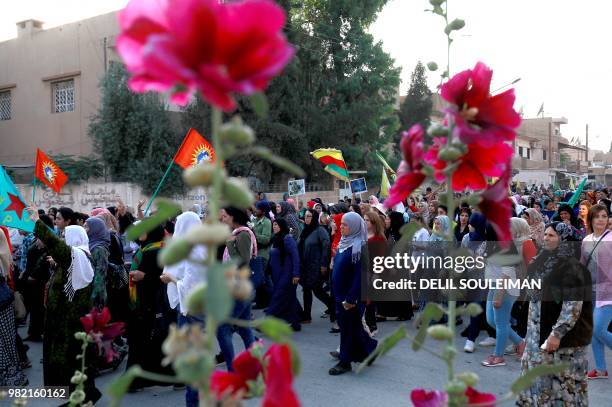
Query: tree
point(79, 169)
point(133, 135)
point(417, 106)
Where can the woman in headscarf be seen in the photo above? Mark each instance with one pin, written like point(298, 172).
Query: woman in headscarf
point(181, 278)
point(241, 247)
point(285, 267)
point(262, 228)
point(286, 211)
point(441, 227)
point(99, 243)
point(10, 364)
point(117, 280)
point(150, 313)
point(536, 225)
point(314, 249)
point(68, 299)
point(355, 343)
point(476, 242)
point(560, 322)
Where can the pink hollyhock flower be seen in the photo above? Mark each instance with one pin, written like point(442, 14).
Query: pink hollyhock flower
point(482, 399)
point(424, 398)
point(217, 48)
point(496, 206)
point(409, 175)
point(479, 117)
point(279, 378)
point(96, 325)
point(246, 368)
point(473, 166)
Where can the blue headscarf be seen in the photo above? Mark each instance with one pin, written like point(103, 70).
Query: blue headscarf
point(97, 233)
point(358, 235)
point(479, 223)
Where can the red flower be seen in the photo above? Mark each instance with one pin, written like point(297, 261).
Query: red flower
point(96, 325)
point(279, 378)
point(480, 118)
point(496, 206)
point(409, 175)
point(217, 48)
point(246, 368)
point(424, 398)
point(473, 166)
point(475, 397)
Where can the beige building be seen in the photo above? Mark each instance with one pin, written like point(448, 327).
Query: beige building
point(49, 86)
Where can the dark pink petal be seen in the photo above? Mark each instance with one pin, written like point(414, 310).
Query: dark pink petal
point(279, 378)
point(404, 185)
point(496, 206)
point(226, 383)
point(138, 10)
point(475, 397)
point(247, 366)
point(454, 90)
point(424, 398)
point(480, 85)
point(499, 109)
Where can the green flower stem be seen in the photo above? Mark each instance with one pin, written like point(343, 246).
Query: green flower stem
point(81, 384)
point(448, 39)
point(158, 377)
point(214, 203)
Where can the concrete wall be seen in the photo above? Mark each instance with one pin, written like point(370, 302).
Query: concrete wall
point(30, 64)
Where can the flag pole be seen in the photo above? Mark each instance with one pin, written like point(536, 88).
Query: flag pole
point(159, 186)
point(34, 191)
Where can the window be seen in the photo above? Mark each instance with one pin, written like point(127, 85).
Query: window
point(5, 105)
point(63, 96)
point(520, 151)
point(543, 154)
point(529, 154)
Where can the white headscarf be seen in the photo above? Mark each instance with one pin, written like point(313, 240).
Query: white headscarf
point(80, 272)
point(358, 235)
point(188, 273)
point(5, 255)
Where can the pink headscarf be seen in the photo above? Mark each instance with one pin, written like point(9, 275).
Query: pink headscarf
point(98, 211)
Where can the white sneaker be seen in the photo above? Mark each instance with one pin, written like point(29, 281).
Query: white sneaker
point(487, 342)
point(469, 346)
point(510, 350)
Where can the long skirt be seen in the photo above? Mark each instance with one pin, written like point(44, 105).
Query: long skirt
point(355, 343)
point(10, 369)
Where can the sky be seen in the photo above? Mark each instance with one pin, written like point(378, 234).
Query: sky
point(559, 48)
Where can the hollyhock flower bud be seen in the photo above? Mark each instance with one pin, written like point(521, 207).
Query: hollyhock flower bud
point(242, 290)
point(439, 332)
point(236, 193)
point(455, 387)
point(436, 2)
point(237, 133)
point(432, 66)
point(473, 309)
point(449, 154)
point(77, 396)
point(195, 301)
point(208, 234)
point(174, 251)
point(469, 378)
point(454, 25)
point(201, 175)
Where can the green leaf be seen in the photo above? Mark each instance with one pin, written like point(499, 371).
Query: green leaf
point(526, 380)
point(385, 346)
point(259, 101)
point(275, 329)
point(166, 209)
point(432, 312)
point(432, 66)
point(280, 162)
point(296, 362)
point(219, 301)
point(120, 386)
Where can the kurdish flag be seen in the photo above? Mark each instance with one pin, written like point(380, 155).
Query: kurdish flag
point(48, 172)
point(194, 150)
point(333, 161)
point(12, 205)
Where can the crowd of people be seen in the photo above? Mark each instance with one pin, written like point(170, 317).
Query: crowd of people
point(75, 261)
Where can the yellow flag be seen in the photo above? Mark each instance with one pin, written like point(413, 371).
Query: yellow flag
point(384, 185)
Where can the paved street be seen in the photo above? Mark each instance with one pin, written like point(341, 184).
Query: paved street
point(387, 383)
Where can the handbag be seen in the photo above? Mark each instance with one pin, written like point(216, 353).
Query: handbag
point(6, 295)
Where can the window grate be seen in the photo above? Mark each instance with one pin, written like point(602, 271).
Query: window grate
point(5, 105)
point(63, 96)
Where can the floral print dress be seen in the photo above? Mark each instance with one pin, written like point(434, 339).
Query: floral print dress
point(569, 388)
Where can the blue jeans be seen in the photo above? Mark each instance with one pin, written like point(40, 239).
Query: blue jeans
point(499, 318)
point(601, 337)
point(192, 398)
point(242, 310)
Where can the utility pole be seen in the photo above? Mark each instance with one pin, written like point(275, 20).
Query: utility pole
point(550, 144)
point(586, 154)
